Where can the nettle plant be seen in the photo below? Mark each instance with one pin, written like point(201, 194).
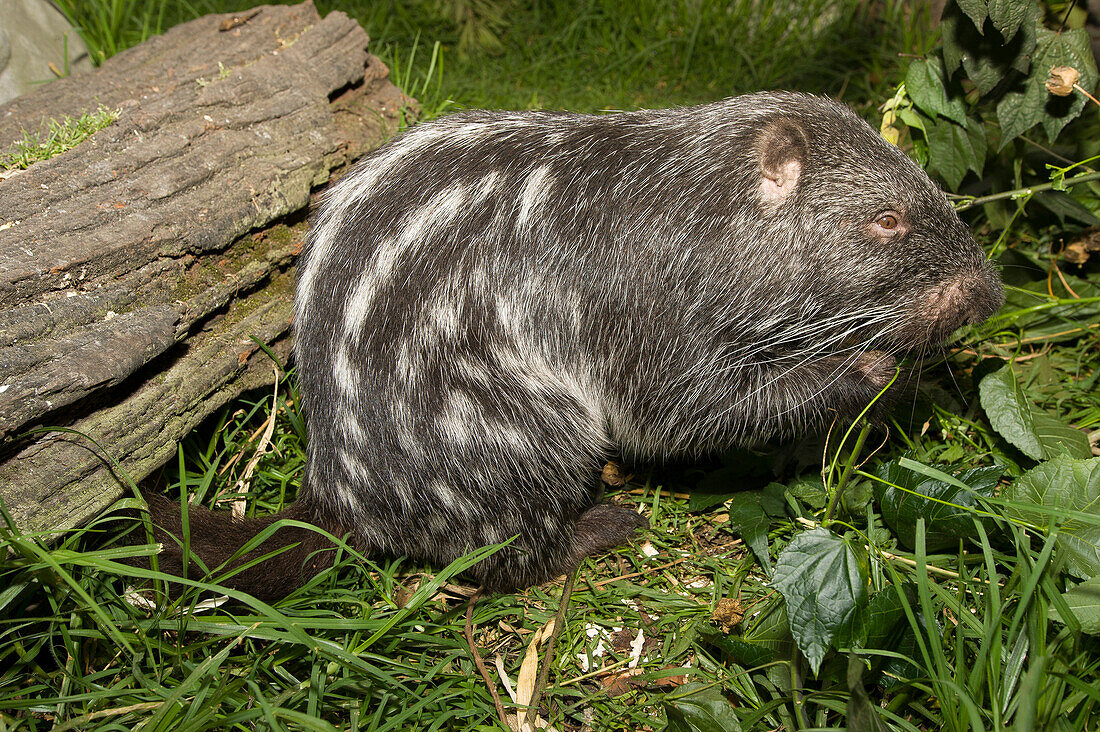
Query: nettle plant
point(1004, 69)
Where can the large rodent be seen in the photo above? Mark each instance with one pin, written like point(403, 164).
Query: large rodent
point(492, 303)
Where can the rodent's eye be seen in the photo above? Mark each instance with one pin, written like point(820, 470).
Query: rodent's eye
point(888, 225)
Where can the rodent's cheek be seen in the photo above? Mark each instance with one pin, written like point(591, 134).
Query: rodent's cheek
point(878, 366)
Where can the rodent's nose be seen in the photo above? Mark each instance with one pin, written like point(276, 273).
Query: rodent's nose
point(984, 295)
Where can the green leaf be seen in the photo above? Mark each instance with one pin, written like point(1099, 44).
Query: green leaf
point(1065, 321)
point(1065, 206)
point(700, 707)
point(952, 34)
point(823, 582)
point(975, 10)
point(948, 509)
point(989, 58)
point(810, 491)
point(773, 501)
point(1019, 111)
point(1084, 601)
point(862, 714)
point(1007, 16)
point(1063, 485)
point(1035, 433)
point(750, 521)
point(954, 149)
point(924, 81)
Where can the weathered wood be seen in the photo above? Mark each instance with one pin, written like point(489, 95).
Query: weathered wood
point(130, 280)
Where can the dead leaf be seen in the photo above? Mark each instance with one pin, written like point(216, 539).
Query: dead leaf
point(614, 475)
point(728, 614)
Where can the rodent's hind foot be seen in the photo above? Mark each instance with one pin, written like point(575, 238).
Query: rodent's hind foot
point(605, 526)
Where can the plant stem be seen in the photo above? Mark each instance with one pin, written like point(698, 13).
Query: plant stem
point(1026, 191)
point(849, 465)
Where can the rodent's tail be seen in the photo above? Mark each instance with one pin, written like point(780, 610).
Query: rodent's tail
point(215, 536)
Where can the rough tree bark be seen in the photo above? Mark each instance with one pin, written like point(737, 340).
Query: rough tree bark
point(136, 268)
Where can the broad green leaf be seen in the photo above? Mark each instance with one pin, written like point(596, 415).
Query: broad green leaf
point(948, 509)
point(1007, 15)
point(1071, 47)
point(1084, 601)
point(1019, 111)
point(989, 58)
point(750, 521)
point(954, 149)
point(823, 582)
point(953, 34)
point(1067, 485)
point(810, 491)
point(975, 10)
point(772, 500)
point(1035, 433)
point(700, 707)
point(924, 81)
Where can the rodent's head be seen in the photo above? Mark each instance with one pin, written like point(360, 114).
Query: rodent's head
point(868, 230)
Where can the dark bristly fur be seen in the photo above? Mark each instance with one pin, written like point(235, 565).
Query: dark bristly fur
point(491, 304)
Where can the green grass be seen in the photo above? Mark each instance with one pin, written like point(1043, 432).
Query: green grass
point(60, 135)
point(965, 622)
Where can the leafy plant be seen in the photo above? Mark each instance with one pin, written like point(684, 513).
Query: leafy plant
point(987, 85)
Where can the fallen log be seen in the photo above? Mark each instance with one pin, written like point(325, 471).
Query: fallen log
point(137, 268)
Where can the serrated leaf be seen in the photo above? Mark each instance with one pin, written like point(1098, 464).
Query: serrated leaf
point(810, 491)
point(947, 508)
point(988, 59)
point(1067, 484)
point(1007, 15)
point(823, 582)
point(1084, 601)
point(700, 707)
point(954, 149)
point(1035, 433)
point(1019, 111)
point(976, 10)
point(750, 521)
point(925, 83)
point(772, 500)
point(952, 38)
point(1069, 48)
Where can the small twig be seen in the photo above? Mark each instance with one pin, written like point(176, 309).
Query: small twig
point(658, 568)
point(261, 449)
point(971, 203)
point(1094, 100)
point(478, 660)
point(548, 659)
point(931, 568)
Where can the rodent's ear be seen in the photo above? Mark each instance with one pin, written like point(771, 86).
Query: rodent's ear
point(782, 148)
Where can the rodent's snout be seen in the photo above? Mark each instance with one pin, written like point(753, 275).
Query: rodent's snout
point(984, 294)
point(967, 300)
